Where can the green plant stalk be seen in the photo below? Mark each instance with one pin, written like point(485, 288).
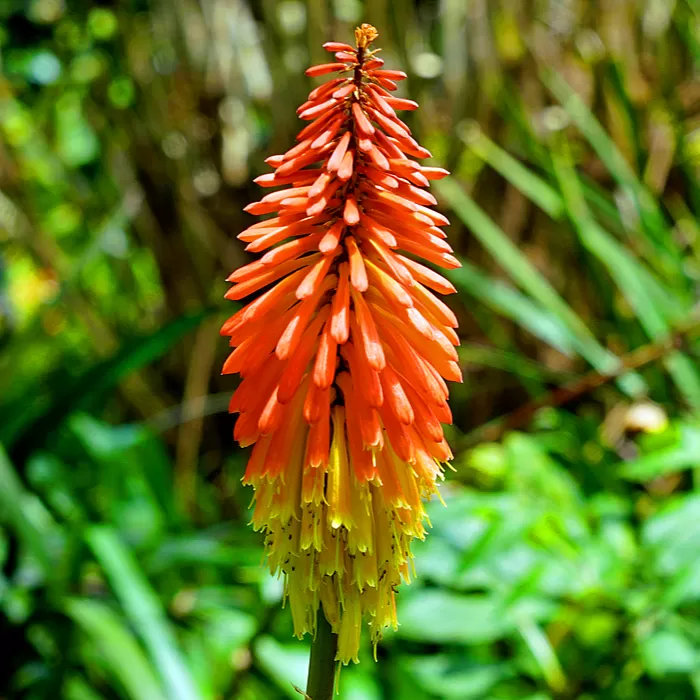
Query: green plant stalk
point(321, 680)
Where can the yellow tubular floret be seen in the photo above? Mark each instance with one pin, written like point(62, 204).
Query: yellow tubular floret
point(343, 545)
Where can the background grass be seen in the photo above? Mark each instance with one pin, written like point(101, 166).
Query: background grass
point(567, 563)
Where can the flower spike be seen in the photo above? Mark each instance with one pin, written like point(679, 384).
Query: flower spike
point(345, 351)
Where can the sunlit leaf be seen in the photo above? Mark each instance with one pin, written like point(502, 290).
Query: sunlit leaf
point(144, 611)
point(123, 656)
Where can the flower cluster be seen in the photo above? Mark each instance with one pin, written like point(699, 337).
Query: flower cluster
point(345, 353)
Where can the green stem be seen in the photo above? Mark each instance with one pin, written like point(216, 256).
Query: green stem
point(322, 662)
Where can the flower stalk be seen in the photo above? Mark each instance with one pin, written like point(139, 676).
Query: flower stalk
point(322, 664)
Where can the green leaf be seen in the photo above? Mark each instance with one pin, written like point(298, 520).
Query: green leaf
point(667, 652)
point(536, 473)
point(28, 517)
point(684, 454)
point(77, 688)
point(144, 610)
point(681, 588)
point(51, 480)
point(510, 303)
point(654, 225)
point(284, 664)
point(219, 633)
point(357, 683)
point(524, 180)
point(133, 467)
point(653, 305)
point(672, 534)
point(541, 648)
point(31, 421)
point(123, 656)
point(524, 273)
point(438, 616)
point(456, 676)
point(204, 549)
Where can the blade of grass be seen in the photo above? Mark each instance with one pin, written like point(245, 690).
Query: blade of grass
point(123, 657)
point(602, 144)
point(685, 28)
point(622, 117)
point(512, 304)
point(529, 278)
point(635, 282)
point(533, 187)
point(551, 201)
point(76, 687)
point(20, 510)
point(632, 279)
point(654, 225)
point(513, 110)
point(31, 419)
point(144, 611)
point(512, 362)
point(543, 652)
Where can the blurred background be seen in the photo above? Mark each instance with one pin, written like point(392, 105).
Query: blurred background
point(567, 562)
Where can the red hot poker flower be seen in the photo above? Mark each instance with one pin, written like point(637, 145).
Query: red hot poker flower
point(345, 352)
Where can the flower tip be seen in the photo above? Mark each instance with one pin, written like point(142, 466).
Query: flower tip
point(434, 173)
point(365, 35)
point(334, 46)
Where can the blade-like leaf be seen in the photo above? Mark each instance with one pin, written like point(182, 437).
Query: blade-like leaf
point(684, 454)
point(512, 304)
point(30, 421)
point(534, 188)
point(524, 273)
point(144, 610)
point(654, 226)
point(26, 515)
point(124, 658)
point(642, 291)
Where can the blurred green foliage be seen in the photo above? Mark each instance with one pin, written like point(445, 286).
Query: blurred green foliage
point(567, 562)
